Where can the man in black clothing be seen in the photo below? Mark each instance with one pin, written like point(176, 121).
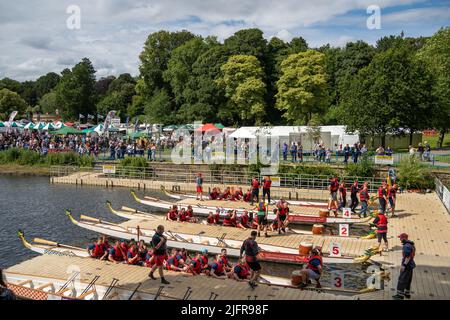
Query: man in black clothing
point(407, 268)
point(251, 249)
point(354, 189)
point(159, 253)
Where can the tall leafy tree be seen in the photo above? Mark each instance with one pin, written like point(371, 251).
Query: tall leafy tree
point(46, 83)
point(248, 42)
point(156, 54)
point(11, 101)
point(436, 56)
point(242, 79)
point(302, 88)
point(76, 92)
point(389, 95)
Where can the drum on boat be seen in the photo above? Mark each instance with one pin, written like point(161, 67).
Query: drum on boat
point(305, 248)
point(296, 278)
point(324, 213)
point(317, 229)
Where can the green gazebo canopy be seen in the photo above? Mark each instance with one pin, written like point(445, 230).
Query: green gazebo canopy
point(68, 130)
point(219, 126)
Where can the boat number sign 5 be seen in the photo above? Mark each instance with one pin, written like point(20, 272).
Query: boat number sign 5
point(335, 249)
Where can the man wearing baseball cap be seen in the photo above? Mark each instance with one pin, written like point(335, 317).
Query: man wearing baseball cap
point(406, 271)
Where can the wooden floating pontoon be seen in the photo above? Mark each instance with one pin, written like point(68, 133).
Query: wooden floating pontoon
point(48, 274)
point(46, 247)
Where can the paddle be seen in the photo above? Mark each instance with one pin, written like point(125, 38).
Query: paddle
point(51, 243)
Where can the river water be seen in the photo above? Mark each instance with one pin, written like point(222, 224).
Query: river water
point(37, 207)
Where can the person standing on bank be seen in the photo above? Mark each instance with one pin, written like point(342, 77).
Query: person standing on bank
point(159, 242)
point(381, 223)
point(255, 190)
point(199, 185)
point(407, 268)
point(251, 249)
point(333, 201)
point(267, 183)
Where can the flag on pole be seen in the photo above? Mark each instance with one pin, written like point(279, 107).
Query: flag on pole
point(12, 116)
point(136, 125)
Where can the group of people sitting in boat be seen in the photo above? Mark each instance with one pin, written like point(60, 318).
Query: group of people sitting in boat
point(229, 193)
point(137, 253)
point(231, 218)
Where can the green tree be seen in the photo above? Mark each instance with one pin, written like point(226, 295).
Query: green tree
point(76, 92)
point(242, 79)
point(11, 101)
point(10, 84)
point(159, 109)
point(302, 88)
point(179, 67)
point(156, 54)
point(248, 42)
point(436, 56)
point(49, 102)
point(390, 94)
point(46, 83)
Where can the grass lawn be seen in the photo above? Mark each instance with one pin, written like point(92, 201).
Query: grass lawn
point(433, 141)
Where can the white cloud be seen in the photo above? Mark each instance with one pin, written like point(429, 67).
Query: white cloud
point(35, 40)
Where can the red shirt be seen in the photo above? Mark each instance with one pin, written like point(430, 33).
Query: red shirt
point(267, 183)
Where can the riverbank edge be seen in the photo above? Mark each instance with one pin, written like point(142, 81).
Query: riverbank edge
point(26, 170)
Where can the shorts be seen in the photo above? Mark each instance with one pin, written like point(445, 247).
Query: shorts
point(282, 218)
point(262, 219)
point(333, 195)
point(199, 189)
point(312, 274)
point(382, 236)
point(255, 266)
point(159, 259)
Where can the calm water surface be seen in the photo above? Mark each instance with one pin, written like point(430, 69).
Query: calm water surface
point(34, 205)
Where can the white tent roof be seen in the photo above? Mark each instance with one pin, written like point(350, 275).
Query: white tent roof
point(244, 133)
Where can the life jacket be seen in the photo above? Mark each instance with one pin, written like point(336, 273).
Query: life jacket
point(98, 251)
point(181, 256)
point(183, 216)
point(334, 185)
point(363, 195)
point(198, 265)
point(255, 223)
point(172, 261)
point(243, 273)
point(267, 184)
point(190, 213)
point(134, 254)
point(247, 197)
point(343, 191)
point(217, 217)
point(392, 192)
point(244, 220)
point(204, 261)
point(173, 215)
point(210, 220)
point(354, 189)
point(213, 195)
point(262, 207)
point(219, 270)
point(118, 256)
point(382, 224)
point(224, 260)
point(227, 222)
point(255, 184)
point(283, 211)
point(310, 266)
point(381, 192)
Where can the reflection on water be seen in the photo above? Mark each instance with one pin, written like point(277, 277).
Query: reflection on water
point(37, 207)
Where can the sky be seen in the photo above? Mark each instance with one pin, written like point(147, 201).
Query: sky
point(35, 38)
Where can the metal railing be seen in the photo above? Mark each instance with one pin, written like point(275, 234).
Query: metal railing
point(215, 177)
point(443, 193)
